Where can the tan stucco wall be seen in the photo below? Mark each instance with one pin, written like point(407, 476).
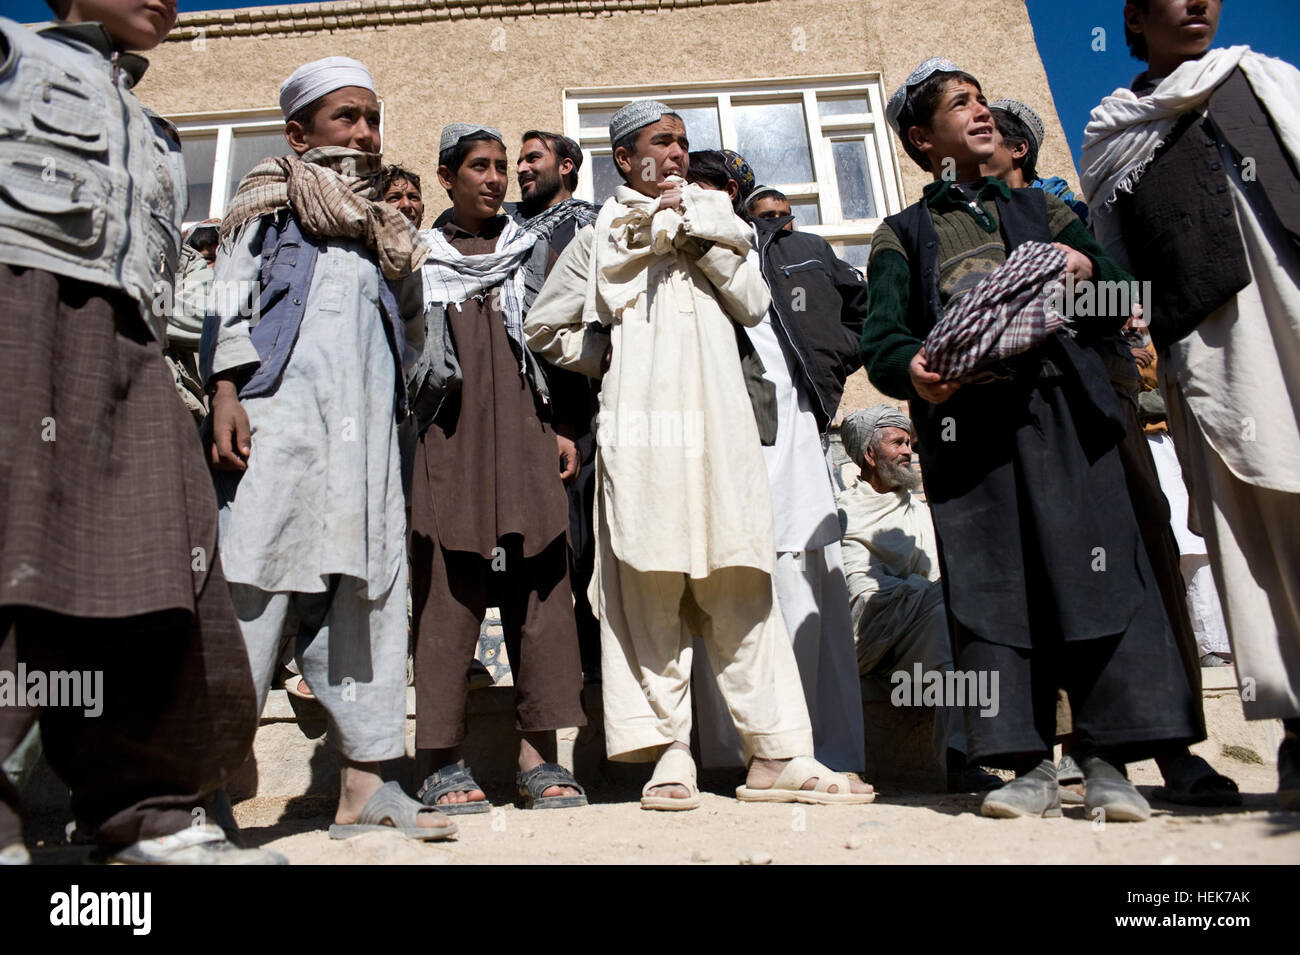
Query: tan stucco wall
point(430, 74)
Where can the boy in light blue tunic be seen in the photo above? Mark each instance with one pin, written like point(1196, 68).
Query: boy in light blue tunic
point(306, 402)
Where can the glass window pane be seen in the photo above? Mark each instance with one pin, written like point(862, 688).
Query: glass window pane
point(773, 138)
point(199, 150)
point(248, 149)
point(806, 212)
point(841, 105)
point(856, 201)
point(597, 116)
point(701, 126)
point(604, 178)
point(854, 253)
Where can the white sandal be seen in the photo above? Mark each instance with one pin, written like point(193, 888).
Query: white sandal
point(675, 768)
point(797, 772)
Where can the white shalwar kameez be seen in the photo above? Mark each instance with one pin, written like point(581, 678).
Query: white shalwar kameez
point(683, 517)
point(809, 581)
point(1232, 389)
point(313, 533)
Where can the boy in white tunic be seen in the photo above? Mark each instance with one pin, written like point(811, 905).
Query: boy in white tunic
point(313, 515)
point(1191, 177)
point(647, 296)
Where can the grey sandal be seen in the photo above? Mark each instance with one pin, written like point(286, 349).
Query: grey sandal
point(452, 779)
point(401, 812)
point(541, 778)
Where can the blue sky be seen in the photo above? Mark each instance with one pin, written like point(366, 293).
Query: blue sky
point(1079, 74)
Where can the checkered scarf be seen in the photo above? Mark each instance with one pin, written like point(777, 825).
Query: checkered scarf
point(451, 278)
point(330, 190)
point(544, 224)
point(1011, 311)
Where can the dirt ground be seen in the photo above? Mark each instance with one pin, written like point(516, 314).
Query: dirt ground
point(893, 830)
point(897, 829)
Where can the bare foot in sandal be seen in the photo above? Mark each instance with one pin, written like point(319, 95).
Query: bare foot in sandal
point(530, 756)
point(443, 758)
point(764, 772)
point(672, 790)
point(358, 782)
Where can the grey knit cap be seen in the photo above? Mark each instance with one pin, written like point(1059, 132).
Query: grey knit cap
point(453, 133)
point(935, 64)
point(634, 115)
point(856, 430)
point(1033, 122)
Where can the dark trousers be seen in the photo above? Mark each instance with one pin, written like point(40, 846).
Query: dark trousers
point(451, 593)
point(1128, 692)
point(1151, 509)
point(582, 556)
point(178, 716)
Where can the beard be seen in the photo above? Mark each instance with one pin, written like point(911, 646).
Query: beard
point(898, 475)
point(545, 188)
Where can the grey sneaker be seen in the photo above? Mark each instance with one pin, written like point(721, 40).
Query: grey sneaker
point(1116, 800)
point(1023, 796)
point(195, 845)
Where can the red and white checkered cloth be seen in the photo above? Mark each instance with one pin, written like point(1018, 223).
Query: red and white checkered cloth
point(1014, 309)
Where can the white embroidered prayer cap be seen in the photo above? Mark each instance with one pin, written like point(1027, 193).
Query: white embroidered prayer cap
point(935, 64)
point(1033, 122)
point(311, 81)
point(634, 115)
point(453, 133)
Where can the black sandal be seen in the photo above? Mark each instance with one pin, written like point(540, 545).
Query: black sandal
point(541, 778)
point(452, 779)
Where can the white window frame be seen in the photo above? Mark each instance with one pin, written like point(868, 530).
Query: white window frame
point(869, 128)
point(225, 124)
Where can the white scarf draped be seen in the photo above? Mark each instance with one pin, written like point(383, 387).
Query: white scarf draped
point(1125, 129)
point(630, 235)
point(451, 278)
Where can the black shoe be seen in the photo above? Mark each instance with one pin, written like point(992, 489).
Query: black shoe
point(1191, 781)
point(1288, 773)
point(973, 779)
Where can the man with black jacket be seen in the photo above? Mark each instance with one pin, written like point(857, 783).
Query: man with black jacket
point(1192, 178)
point(808, 343)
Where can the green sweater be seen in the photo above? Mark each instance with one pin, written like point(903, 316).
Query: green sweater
point(970, 247)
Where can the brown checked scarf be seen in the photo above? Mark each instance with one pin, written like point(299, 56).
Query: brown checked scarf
point(330, 190)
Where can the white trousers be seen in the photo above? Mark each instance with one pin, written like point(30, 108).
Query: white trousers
point(647, 619)
point(814, 601)
point(1253, 536)
point(1202, 597)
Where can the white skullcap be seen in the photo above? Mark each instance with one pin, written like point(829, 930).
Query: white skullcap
point(311, 81)
point(761, 191)
point(453, 133)
point(634, 115)
point(935, 64)
point(1033, 122)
